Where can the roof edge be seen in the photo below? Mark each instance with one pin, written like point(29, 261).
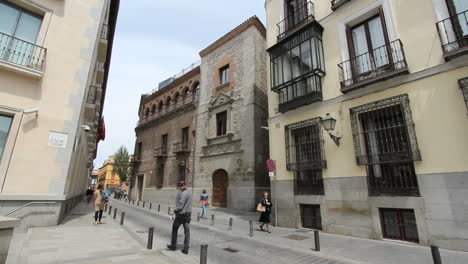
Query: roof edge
point(252, 21)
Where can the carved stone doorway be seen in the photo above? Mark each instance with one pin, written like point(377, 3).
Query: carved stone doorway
point(220, 187)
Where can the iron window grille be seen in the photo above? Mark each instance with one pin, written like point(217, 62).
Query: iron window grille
point(464, 87)
point(399, 224)
point(308, 182)
point(296, 67)
point(385, 141)
point(304, 146)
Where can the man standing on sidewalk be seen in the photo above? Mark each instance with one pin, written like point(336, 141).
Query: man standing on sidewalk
point(183, 214)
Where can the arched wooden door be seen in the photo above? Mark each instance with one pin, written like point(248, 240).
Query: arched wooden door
point(220, 186)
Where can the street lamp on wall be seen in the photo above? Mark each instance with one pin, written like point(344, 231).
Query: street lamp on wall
point(328, 123)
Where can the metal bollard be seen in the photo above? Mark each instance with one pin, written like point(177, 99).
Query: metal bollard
point(436, 254)
point(110, 210)
point(251, 228)
point(105, 208)
point(150, 237)
point(151, 205)
point(115, 213)
point(143, 204)
point(212, 220)
point(169, 210)
point(138, 203)
point(122, 218)
point(230, 223)
point(203, 254)
point(317, 240)
point(198, 217)
point(159, 208)
point(133, 202)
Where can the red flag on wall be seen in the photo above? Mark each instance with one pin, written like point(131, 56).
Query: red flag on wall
point(101, 133)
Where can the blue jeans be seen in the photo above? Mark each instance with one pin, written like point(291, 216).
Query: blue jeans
point(178, 221)
point(204, 210)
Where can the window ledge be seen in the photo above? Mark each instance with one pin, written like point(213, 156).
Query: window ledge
point(226, 84)
point(228, 135)
point(21, 69)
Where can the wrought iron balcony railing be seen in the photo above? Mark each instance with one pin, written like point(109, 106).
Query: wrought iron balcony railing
point(160, 152)
point(181, 147)
point(23, 53)
point(337, 3)
point(180, 103)
point(297, 18)
point(104, 32)
point(380, 64)
point(453, 33)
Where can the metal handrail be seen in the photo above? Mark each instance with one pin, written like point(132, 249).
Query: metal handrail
point(19, 208)
point(21, 52)
point(300, 16)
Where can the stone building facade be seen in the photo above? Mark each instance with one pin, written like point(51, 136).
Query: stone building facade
point(164, 138)
point(231, 147)
point(394, 164)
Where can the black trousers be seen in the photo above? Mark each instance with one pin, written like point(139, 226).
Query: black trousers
point(98, 215)
point(178, 221)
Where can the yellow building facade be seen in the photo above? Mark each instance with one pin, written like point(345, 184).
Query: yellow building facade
point(106, 177)
point(394, 83)
point(54, 64)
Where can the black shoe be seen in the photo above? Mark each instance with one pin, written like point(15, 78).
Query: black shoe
point(185, 251)
point(171, 248)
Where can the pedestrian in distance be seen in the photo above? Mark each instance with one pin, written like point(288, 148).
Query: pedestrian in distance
point(100, 201)
point(204, 203)
point(183, 214)
point(89, 195)
point(264, 206)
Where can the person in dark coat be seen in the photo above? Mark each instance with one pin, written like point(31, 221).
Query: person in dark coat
point(265, 216)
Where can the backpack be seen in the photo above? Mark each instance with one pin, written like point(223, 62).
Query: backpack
point(104, 196)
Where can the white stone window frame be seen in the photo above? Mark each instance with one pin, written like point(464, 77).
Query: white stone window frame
point(46, 14)
point(362, 15)
point(17, 115)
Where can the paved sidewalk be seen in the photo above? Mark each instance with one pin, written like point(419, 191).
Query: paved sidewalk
point(344, 247)
point(78, 240)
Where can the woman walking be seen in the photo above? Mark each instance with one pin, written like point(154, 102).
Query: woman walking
point(265, 215)
point(204, 202)
point(98, 204)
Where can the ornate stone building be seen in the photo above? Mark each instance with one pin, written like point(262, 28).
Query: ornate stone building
point(231, 146)
point(164, 145)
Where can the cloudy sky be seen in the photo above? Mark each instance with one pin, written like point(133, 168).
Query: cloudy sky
point(154, 40)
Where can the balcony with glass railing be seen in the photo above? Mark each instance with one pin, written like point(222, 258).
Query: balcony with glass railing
point(453, 33)
point(21, 53)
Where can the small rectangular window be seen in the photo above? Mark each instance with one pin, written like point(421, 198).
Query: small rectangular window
point(310, 216)
point(399, 224)
point(185, 137)
point(221, 121)
point(164, 143)
point(224, 74)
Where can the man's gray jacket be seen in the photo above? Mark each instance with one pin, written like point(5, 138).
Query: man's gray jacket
point(183, 202)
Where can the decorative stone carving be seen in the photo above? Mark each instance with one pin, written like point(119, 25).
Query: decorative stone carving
point(222, 148)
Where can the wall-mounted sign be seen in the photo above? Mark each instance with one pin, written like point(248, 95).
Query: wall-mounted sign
point(57, 139)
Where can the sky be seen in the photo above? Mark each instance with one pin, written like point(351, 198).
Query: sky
point(154, 40)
